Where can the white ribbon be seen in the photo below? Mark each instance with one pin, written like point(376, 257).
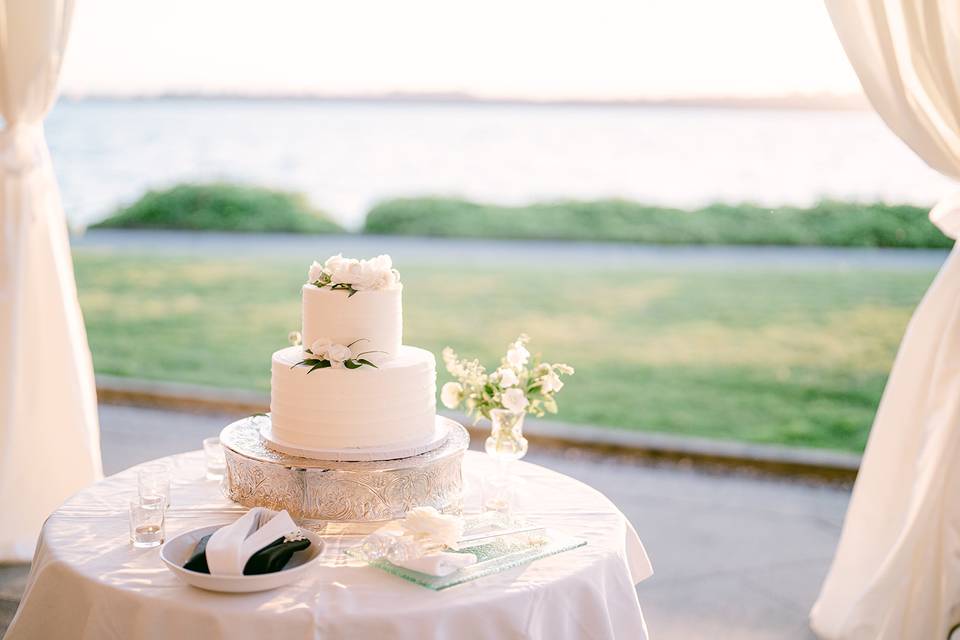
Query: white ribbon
point(22, 147)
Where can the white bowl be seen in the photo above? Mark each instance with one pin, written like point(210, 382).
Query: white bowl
point(176, 551)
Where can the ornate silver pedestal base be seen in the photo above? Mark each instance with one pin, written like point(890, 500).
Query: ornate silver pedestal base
point(352, 492)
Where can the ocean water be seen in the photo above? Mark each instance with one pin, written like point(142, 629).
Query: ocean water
point(347, 156)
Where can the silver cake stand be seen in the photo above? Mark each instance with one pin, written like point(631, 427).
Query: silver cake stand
point(329, 493)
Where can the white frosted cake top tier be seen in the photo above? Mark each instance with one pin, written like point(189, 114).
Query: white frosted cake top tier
point(375, 316)
point(343, 408)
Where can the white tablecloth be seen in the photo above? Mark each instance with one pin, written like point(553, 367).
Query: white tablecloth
point(88, 582)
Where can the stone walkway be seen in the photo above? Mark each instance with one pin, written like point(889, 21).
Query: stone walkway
point(735, 556)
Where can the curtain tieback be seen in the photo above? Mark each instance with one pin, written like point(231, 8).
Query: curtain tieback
point(946, 215)
point(22, 147)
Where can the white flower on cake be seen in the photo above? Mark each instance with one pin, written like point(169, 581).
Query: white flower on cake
point(337, 354)
point(323, 353)
point(514, 400)
point(319, 347)
point(522, 383)
point(378, 273)
point(451, 394)
point(427, 525)
point(352, 275)
point(316, 272)
point(508, 378)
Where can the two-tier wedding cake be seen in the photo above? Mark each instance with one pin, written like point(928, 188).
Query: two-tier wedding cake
point(352, 435)
point(352, 389)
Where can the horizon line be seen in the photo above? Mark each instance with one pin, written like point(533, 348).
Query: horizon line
point(809, 101)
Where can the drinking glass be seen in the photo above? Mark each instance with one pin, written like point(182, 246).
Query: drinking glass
point(153, 484)
point(147, 524)
point(216, 462)
point(498, 492)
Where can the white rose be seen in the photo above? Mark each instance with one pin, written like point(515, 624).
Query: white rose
point(337, 353)
point(508, 377)
point(349, 272)
point(451, 394)
point(316, 272)
point(377, 273)
point(319, 347)
point(342, 270)
point(514, 400)
point(362, 275)
point(426, 524)
point(518, 355)
point(381, 263)
point(384, 279)
point(334, 263)
point(368, 277)
point(551, 383)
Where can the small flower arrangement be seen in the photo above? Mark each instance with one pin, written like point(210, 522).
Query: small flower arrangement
point(353, 276)
point(325, 354)
point(519, 384)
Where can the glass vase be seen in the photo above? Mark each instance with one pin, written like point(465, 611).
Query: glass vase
point(505, 445)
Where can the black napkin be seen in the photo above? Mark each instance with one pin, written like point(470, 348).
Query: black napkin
point(270, 559)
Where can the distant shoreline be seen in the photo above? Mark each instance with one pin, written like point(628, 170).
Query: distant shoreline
point(816, 102)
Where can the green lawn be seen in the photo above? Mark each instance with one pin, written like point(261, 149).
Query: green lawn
point(794, 357)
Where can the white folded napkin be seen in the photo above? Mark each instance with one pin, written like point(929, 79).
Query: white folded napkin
point(229, 548)
point(439, 564)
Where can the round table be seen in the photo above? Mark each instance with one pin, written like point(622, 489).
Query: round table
point(87, 581)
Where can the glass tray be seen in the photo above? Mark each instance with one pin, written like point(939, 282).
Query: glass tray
point(493, 557)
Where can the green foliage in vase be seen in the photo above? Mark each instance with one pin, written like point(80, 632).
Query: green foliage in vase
point(521, 384)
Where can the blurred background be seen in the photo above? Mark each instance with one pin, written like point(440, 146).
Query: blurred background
point(703, 216)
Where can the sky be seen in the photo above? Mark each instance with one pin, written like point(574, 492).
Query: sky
point(532, 49)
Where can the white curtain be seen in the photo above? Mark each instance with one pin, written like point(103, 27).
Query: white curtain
point(49, 436)
point(896, 573)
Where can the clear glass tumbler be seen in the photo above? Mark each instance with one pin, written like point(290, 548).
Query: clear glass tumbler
point(146, 524)
point(216, 461)
point(153, 484)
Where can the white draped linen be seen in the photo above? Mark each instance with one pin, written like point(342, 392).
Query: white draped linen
point(88, 583)
point(896, 573)
point(49, 436)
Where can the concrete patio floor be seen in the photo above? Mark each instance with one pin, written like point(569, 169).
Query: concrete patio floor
point(735, 556)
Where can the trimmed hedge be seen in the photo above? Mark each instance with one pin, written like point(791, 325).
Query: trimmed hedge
point(221, 207)
point(829, 223)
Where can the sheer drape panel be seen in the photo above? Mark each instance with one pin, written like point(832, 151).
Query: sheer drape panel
point(896, 573)
point(49, 436)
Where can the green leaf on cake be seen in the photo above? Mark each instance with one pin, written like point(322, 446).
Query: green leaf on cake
point(367, 362)
point(320, 364)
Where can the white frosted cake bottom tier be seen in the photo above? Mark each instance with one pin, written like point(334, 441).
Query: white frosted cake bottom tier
point(359, 454)
point(392, 405)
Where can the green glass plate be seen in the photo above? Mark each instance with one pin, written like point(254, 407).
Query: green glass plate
point(493, 557)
